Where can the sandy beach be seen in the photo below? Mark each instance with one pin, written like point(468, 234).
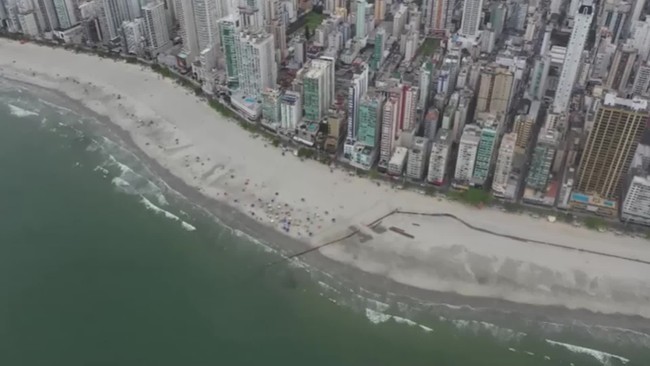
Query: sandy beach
point(220, 161)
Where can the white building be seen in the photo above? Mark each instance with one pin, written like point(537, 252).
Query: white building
point(467, 155)
point(439, 159)
point(472, 10)
point(573, 56)
point(504, 164)
point(117, 12)
point(290, 110)
point(28, 23)
point(636, 206)
point(257, 70)
point(133, 34)
point(398, 161)
point(184, 10)
point(417, 158)
point(399, 21)
point(155, 23)
point(640, 37)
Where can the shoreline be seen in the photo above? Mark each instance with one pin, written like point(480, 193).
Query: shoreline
point(373, 282)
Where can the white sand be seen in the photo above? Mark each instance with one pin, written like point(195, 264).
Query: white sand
point(205, 150)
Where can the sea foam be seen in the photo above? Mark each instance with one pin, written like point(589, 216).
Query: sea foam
point(150, 206)
point(604, 357)
point(377, 317)
point(20, 112)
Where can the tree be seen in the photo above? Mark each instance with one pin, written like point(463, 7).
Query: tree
point(307, 32)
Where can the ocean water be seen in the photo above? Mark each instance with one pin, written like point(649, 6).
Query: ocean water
point(101, 265)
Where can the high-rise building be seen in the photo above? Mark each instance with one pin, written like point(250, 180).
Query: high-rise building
point(205, 21)
point(571, 66)
point(380, 11)
point(636, 207)
point(613, 17)
point(425, 85)
point(133, 36)
point(318, 89)
point(379, 48)
point(642, 80)
point(389, 130)
point(66, 13)
point(50, 20)
point(357, 90)
point(538, 77)
point(466, 158)
point(542, 160)
point(409, 106)
point(622, 66)
point(484, 156)
point(28, 23)
point(184, 10)
point(229, 39)
point(472, 11)
point(495, 90)
point(370, 109)
point(439, 159)
point(257, 70)
point(437, 17)
point(360, 15)
point(640, 38)
point(610, 147)
point(251, 15)
point(155, 23)
point(117, 12)
point(503, 166)
point(523, 129)
point(290, 110)
point(417, 158)
point(271, 110)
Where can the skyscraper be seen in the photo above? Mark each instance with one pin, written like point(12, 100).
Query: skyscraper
point(187, 27)
point(610, 146)
point(155, 23)
point(437, 17)
point(370, 109)
point(408, 111)
point(466, 158)
point(205, 18)
point(357, 90)
point(439, 159)
point(472, 10)
point(495, 90)
point(542, 160)
point(116, 11)
point(484, 155)
point(66, 13)
point(318, 89)
point(621, 68)
point(229, 33)
point(389, 129)
point(257, 70)
point(251, 16)
point(361, 19)
point(504, 164)
point(582, 23)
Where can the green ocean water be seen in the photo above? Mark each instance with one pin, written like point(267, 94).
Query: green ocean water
point(92, 272)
